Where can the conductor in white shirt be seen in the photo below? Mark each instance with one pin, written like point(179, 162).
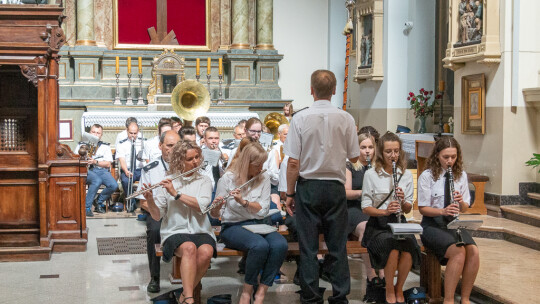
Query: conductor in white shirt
point(320, 140)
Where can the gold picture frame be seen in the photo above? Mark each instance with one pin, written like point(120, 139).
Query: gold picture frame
point(473, 104)
point(124, 46)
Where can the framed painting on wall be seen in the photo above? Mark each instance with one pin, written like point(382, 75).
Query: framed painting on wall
point(473, 104)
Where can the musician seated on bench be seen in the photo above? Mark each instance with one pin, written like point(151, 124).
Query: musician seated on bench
point(458, 252)
point(99, 174)
point(385, 198)
point(126, 153)
point(185, 231)
point(249, 206)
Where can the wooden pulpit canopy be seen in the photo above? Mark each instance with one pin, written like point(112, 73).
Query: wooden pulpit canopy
point(42, 183)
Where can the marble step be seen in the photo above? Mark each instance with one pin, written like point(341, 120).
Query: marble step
point(501, 229)
point(526, 214)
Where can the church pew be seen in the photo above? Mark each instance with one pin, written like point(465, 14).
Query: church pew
point(430, 269)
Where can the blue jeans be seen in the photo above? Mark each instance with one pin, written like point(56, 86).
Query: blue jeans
point(125, 181)
point(98, 176)
point(265, 252)
point(276, 218)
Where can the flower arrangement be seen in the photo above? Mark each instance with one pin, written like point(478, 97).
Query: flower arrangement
point(420, 103)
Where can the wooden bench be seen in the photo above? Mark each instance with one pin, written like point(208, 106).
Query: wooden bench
point(534, 196)
point(430, 269)
point(479, 183)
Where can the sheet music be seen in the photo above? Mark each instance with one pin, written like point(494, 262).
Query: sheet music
point(89, 138)
point(406, 228)
point(266, 140)
point(211, 156)
point(260, 228)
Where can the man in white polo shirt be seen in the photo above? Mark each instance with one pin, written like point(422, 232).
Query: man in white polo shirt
point(320, 140)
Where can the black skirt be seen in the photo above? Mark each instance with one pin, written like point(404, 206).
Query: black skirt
point(356, 216)
point(437, 238)
point(379, 241)
point(175, 240)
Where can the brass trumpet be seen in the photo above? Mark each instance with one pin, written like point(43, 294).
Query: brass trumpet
point(172, 177)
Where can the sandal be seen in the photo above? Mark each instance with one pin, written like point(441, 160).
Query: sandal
point(185, 298)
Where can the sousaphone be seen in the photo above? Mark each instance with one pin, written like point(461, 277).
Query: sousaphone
point(190, 99)
point(273, 120)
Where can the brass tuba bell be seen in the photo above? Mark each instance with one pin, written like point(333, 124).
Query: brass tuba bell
point(273, 120)
point(190, 99)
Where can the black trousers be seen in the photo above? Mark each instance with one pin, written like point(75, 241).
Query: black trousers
point(153, 237)
point(322, 204)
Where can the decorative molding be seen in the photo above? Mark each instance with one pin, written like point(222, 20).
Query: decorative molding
point(63, 151)
point(485, 51)
point(532, 97)
point(30, 72)
point(374, 69)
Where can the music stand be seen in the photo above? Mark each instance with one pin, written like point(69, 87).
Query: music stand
point(405, 228)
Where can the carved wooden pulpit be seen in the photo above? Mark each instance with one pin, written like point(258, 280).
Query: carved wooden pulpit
point(42, 183)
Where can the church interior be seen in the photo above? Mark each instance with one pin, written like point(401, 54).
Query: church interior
point(66, 65)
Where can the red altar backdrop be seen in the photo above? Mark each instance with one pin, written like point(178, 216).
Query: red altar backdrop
point(186, 17)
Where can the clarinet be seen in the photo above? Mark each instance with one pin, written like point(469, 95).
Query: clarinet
point(368, 160)
point(459, 241)
point(394, 175)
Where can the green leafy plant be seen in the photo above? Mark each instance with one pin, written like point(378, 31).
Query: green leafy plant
point(420, 103)
point(534, 161)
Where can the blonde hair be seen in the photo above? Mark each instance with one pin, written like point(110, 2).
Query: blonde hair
point(361, 137)
point(178, 155)
point(246, 140)
point(401, 163)
point(252, 154)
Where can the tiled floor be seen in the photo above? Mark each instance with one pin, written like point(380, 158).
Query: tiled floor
point(86, 277)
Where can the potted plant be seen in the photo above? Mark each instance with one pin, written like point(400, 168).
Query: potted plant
point(534, 161)
point(421, 106)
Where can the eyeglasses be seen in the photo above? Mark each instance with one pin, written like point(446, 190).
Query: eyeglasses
point(255, 131)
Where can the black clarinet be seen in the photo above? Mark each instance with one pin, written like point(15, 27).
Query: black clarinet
point(459, 241)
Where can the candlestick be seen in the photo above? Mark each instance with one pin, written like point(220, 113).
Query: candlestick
point(140, 100)
point(208, 84)
point(208, 65)
point(117, 65)
point(441, 86)
point(140, 65)
point(441, 98)
point(220, 92)
point(129, 65)
point(117, 97)
point(198, 68)
point(129, 100)
point(220, 66)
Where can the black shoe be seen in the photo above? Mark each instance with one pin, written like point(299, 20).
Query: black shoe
point(153, 286)
point(89, 213)
point(296, 279)
point(99, 209)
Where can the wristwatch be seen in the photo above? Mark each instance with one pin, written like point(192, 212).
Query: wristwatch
point(290, 195)
point(177, 197)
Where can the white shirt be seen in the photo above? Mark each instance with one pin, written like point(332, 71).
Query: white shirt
point(431, 193)
point(377, 186)
point(154, 175)
point(322, 137)
point(102, 153)
point(123, 150)
point(198, 139)
point(151, 148)
point(176, 216)
point(121, 136)
point(277, 148)
point(282, 186)
point(232, 211)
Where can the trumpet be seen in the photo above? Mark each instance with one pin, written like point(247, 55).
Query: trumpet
point(218, 202)
point(172, 177)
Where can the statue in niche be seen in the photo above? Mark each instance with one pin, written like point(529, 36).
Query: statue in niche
point(366, 42)
point(470, 22)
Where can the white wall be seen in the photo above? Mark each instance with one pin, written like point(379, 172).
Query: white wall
point(337, 47)
point(301, 35)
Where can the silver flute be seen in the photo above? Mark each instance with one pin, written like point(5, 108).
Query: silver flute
point(172, 177)
point(218, 202)
point(394, 175)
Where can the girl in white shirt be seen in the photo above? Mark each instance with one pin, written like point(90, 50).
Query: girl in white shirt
point(249, 206)
point(185, 231)
point(434, 203)
point(378, 202)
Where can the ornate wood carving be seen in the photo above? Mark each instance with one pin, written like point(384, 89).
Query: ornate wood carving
point(369, 40)
point(29, 71)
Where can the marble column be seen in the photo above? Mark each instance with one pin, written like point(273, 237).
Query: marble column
point(265, 24)
point(240, 32)
point(85, 22)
